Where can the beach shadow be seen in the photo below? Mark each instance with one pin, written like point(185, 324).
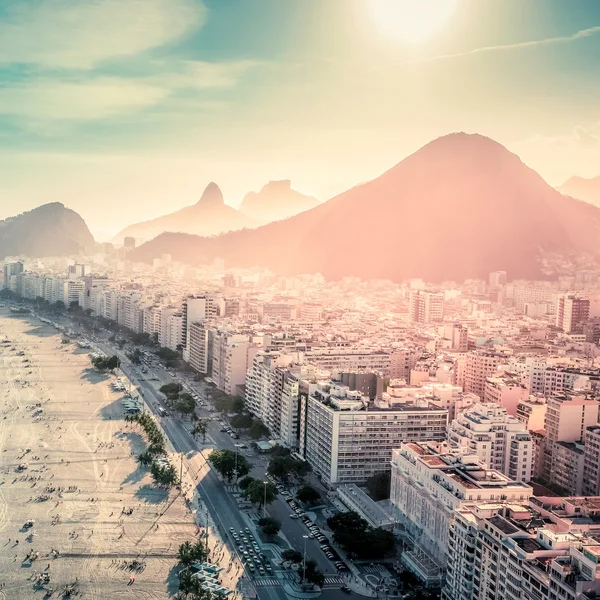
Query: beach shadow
point(151, 494)
point(44, 331)
point(113, 411)
point(172, 580)
point(94, 376)
point(137, 475)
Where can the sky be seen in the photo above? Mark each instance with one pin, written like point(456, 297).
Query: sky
point(126, 109)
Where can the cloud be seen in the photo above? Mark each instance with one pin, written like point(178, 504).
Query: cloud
point(89, 97)
point(77, 34)
point(70, 100)
point(584, 33)
point(586, 137)
point(200, 74)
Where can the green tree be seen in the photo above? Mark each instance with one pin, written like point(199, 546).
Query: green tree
point(258, 430)
point(308, 494)
point(228, 404)
point(242, 421)
point(189, 553)
point(145, 458)
point(256, 493)
point(244, 482)
point(200, 428)
point(228, 466)
point(286, 467)
point(171, 390)
point(185, 404)
point(135, 356)
point(378, 486)
point(312, 573)
point(291, 556)
point(164, 475)
point(269, 526)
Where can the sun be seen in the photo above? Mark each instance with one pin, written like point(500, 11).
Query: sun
point(411, 21)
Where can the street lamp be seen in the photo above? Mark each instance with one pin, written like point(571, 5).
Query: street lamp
point(265, 500)
point(237, 446)
point(304, 559)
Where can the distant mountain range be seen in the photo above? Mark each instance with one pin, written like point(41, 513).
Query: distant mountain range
point(584, 189)
point(276, 201)
point(459, 207)
point(48, 230)
point(209, 216)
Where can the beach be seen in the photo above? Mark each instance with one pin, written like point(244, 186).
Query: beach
point(76, 510)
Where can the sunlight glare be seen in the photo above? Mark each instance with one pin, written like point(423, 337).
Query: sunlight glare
point(411, 21)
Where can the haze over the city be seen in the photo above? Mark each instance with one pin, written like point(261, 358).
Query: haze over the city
point(126, 111)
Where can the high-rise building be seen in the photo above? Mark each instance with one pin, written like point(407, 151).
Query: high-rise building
point(497, 278)
point(197, 308)
point(479, 366)
point(546, 549)
point(428, 483)
point(426, 307)
point(591, 461)
point(10, 269)
point(498, 439)
point(348, 439)
point(567, 418)
point(572, 313)
point(232, 354)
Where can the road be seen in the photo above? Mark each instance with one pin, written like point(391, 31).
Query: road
point(221, 504)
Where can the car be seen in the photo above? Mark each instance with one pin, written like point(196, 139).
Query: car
point(223, 430)
point(293, 516)
point(245, 540)
point(245, 553)
point(310, 536)
point(251, 567)
point(247, 529)
point(288, 500)
point(345, 588)
point(231, 529)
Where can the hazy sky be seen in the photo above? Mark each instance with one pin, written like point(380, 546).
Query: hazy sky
point(127, 109)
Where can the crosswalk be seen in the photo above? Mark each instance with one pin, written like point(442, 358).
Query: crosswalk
point(375, 569)
point(333, 580)
point(265, 582)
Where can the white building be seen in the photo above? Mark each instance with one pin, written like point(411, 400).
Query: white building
point(348, 439)
point(498, 439)
point(429, 483)
point(426, 307)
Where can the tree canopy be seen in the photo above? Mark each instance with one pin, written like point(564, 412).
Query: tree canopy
point(228, 404)
point(164, 475)
point(105, 363)
point(308, 494)
point(269, 526)
point(286, 468)
point(255, 492)
point(224, 462)
point(311, 573)
point(356, 536)
point(189, 553)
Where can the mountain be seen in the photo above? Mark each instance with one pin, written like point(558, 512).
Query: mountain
point(209, 216)
point(584, 189)
point(276, 201)
point(459, 207)
point(48, 230)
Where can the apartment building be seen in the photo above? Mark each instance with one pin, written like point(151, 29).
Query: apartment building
point(572, 313)
point(263, 378)
point(567, 418)
point(532, 412)
point(11, 269)
point(524, 551)
point(591, 462)
point(480, 365)
point(200, 355)
point(507, 391)
point(429, 482)
point(348, 439)
point(566, 469)
point(232, 355)
point(426, 307)
point(197, 308)
point(499, 440)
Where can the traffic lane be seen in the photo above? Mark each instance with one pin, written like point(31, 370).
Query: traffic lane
point(295, 530)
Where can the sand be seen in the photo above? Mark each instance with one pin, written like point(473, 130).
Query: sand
point(60, 419)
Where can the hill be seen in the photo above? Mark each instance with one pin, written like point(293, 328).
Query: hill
point(459, 207)
point(276, 201)
point(48, 230)
point(584, 189)
point(209, 216)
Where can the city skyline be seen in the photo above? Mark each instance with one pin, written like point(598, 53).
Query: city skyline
point(109, 107)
